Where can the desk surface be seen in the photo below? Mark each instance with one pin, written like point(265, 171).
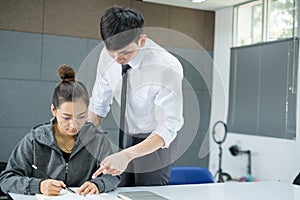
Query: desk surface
point(217, 191)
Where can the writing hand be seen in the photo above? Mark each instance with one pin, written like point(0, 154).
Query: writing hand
point(51, 187)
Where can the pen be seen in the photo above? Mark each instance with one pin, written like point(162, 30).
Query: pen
point(66, 188)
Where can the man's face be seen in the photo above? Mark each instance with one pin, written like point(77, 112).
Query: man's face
point(124, 55)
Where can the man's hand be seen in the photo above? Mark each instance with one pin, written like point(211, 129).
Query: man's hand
point(117, 163)
point(51, 187)
point(88, 188)
point(95, 119)
point(114, 164)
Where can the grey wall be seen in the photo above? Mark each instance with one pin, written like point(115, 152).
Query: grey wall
point(28, 64)
point(28, 76)
point(36, 36)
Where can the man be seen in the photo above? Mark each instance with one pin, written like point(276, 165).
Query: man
point(154, 98)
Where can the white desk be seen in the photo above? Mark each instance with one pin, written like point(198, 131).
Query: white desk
point(216, 191)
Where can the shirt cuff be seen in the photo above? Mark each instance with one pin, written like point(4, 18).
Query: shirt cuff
point(99, 111)
point(167, 135)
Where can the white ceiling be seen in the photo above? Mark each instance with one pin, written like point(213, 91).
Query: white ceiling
point(207, 5)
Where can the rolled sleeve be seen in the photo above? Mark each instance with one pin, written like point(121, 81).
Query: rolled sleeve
point(169, 105)
point(102, 94)
point(101, 98)
point(167, 135)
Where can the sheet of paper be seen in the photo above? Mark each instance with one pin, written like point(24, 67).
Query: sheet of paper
point(65, 195)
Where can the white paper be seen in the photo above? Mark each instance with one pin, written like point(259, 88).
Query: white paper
point(65, 195)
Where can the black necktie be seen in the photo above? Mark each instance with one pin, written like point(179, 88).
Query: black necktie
point(125, 68)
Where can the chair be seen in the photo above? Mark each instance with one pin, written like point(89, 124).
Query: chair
point(190, 175)
point(2, 167)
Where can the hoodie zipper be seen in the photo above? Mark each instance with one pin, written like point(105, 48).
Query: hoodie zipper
point(66, 172)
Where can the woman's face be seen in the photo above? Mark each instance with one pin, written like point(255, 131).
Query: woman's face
point(70, 116)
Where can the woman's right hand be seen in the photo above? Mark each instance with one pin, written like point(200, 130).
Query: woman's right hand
point(51, 187)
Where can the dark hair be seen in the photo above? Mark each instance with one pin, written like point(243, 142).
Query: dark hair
point(120, 26)
point(68, 89)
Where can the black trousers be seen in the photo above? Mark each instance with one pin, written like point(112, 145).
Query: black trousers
point(152, 169)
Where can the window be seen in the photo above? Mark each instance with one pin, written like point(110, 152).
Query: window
point(265, 20)
point(248, 20)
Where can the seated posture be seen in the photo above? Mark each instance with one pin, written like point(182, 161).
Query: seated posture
point(63, 153)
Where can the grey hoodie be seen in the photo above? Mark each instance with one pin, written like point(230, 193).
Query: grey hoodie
point(39, 147)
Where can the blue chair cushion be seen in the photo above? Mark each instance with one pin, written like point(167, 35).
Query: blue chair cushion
point(190, 175)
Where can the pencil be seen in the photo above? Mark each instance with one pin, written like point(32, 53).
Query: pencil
point(66, 188)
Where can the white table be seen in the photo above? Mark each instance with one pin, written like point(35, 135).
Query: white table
point(216, 191)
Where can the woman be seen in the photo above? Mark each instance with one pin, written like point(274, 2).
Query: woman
point(68, 149)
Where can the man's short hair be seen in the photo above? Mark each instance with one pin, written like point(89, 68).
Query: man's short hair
point(120, 26)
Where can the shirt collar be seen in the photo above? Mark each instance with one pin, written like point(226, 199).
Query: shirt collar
point(137, 60)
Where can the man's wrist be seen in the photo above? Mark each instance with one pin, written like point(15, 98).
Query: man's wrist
point(129, 153)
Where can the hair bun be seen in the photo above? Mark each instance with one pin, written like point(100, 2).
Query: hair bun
point(66, 73)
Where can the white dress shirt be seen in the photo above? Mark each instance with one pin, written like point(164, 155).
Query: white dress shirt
point(154, 94)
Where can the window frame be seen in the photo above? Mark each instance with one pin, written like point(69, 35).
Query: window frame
point(265, 16)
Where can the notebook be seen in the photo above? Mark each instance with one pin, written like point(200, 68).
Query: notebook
point(140, 195)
